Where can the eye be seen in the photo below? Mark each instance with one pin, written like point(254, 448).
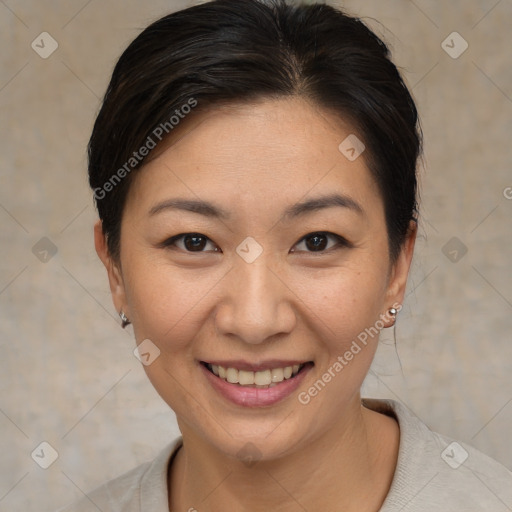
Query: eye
point(320, 242)
point(191, 242)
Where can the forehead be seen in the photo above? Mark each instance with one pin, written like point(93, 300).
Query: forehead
point(270, 151)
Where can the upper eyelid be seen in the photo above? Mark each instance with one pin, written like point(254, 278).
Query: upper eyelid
point(327, 233)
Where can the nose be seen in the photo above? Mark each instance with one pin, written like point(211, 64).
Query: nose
point(256, 303)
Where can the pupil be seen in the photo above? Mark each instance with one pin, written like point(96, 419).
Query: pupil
point(194, 242)
point(316, 242)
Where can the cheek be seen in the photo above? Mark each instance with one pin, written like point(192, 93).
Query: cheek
point(167, 302)
point(169, 306)
point(346, 325)
point(345, 300)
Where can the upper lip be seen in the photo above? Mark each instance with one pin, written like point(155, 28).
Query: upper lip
point(269, 364)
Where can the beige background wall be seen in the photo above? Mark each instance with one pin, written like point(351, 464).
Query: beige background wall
point(68, 375)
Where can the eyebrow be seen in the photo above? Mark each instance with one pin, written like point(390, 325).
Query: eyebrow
point(190, 205)
point(320, 203)
point(210, 210)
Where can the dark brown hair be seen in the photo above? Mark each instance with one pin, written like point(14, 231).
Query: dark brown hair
point(245, 50)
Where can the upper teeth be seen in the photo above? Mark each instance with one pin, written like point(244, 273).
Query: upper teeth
point(261, 378)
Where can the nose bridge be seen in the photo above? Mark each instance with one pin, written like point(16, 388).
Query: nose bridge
point(257, 306)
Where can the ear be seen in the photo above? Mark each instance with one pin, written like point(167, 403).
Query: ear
point(115, 276)
point(400, 271)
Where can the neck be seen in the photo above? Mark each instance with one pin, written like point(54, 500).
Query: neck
point(354, 460)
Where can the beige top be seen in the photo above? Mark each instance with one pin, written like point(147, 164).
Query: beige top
point(432, 474)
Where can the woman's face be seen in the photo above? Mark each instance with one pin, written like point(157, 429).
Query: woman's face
point(286, 263)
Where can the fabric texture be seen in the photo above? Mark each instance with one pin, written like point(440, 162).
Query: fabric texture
point(433, 473)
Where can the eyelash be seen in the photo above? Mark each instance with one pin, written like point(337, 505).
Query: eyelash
point(341, 242)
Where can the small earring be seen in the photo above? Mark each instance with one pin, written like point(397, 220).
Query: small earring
point(124, 319)
point(392, 312)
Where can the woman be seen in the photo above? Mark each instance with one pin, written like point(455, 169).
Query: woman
point(254, 170)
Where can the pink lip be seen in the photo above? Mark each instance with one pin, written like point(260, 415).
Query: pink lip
point(256, 397)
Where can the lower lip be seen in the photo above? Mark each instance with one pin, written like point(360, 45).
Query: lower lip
point(256, 397)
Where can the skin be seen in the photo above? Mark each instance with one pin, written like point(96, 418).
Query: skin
point(254, 161)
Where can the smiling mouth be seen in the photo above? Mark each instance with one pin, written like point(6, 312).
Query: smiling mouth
point(260, 379)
